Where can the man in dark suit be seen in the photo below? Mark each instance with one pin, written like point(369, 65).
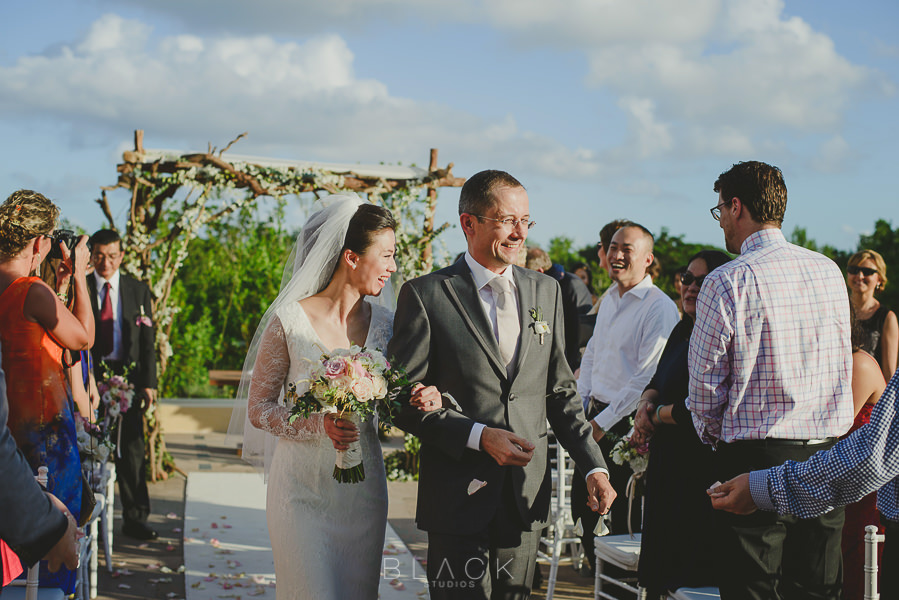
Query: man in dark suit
point(490, 335)
point(33, 524)
point(125, 343)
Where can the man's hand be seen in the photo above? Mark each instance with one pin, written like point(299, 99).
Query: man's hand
point(600, 493)
point(506, 448)
point(643, 427)
point(65, 552)
point(147, 398)
point(733, 496)
point(598, 433)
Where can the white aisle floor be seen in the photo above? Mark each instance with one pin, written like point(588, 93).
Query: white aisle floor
point(226, 545)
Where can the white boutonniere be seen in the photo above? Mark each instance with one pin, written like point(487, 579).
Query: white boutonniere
point(539, 326)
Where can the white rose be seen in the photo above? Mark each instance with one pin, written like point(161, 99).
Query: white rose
point(380, 386)
point(541, 327)
point(113, 410)
point(363, 389)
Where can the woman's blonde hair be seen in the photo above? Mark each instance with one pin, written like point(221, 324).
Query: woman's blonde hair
point(863, 255)
point(25, 215)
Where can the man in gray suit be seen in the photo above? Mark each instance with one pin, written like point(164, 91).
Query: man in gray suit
point(490, 336)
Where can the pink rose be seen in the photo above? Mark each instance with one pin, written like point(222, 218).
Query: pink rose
point(356, 369)
point(363, 389)
point(335, 367)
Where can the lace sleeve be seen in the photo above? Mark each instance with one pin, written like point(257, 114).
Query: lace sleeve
point(271, 368)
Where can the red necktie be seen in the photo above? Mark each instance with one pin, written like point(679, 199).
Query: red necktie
point(107, 323)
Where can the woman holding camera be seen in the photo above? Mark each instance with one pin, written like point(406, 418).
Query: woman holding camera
point(35, 328)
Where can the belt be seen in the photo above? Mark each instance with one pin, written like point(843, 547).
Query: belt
point(781, 442)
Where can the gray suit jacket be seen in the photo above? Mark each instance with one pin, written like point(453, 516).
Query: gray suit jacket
point(443, 338)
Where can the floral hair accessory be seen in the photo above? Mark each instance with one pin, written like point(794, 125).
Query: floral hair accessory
point(539, 326)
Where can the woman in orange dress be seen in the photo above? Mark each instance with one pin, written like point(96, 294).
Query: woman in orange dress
point(35, 328)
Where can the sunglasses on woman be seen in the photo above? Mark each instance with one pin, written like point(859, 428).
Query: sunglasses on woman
point(687, 278)
point(866, 271)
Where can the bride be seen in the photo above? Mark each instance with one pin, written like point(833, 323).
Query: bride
point(327, 537)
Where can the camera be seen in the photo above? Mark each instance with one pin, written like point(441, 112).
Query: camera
point(62, 236)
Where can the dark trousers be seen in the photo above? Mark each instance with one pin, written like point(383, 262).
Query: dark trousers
point(618, 477)
point(769, 556)
point(889, 562)
point(131, 460)
point(496, 563)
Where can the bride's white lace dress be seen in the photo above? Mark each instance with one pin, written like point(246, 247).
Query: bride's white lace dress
point(327, 537)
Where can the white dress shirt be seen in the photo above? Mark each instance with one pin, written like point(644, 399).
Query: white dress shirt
point(114, 289)
point(630, 333)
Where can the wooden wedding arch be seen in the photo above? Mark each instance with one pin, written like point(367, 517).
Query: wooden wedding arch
point(160, 222)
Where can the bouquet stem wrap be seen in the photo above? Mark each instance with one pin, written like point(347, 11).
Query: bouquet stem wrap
point(349, 467)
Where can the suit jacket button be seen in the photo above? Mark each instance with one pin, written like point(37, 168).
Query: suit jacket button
point(511, 397)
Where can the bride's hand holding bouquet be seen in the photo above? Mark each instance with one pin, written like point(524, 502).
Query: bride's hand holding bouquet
point(349, 386)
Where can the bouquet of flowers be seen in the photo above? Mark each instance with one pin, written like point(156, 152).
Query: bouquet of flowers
point(635, 456)
point(94, 447)
point(355, 383)
point(116, 395)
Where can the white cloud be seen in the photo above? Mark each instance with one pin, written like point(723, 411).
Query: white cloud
point(296, 100)
point(741, 69)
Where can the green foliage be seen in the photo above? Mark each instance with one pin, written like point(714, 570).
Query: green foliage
point(402, 465)
point(672, 253)
point(229, 278)
point(800, 238)
point(561, 252)
point(192, 352)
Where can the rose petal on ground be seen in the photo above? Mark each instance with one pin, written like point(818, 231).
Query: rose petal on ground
point(177, 530)
point(171, 515)
point(397, 584)
point(124, 586)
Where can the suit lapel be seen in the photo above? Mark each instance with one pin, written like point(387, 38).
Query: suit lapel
point(129, 310)
point(92, 292)
point(464, 296)
point(527, 296)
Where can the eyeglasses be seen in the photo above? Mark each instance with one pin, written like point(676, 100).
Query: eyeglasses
point(509, 222)
point(716, 212)
point(687, 278)
point(866, 271)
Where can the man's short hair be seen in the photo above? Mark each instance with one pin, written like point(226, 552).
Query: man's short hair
point(647, 234)
point(759, 186)
point(609, 229)
point(538, 260)
point(104, 237)
point(476, 197)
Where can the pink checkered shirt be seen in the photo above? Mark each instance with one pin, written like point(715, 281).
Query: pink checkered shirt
point(770, 355)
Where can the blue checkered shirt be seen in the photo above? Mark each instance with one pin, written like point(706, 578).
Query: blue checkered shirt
point(866, 461)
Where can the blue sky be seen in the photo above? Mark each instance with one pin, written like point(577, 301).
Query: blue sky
point(602, 108)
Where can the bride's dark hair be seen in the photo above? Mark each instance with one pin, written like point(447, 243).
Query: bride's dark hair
point(368, 221)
